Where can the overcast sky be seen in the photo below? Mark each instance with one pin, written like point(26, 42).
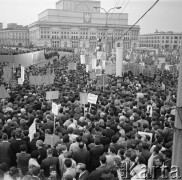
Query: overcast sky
point(165, 16)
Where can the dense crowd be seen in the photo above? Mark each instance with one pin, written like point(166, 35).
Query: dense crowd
point(96, 142)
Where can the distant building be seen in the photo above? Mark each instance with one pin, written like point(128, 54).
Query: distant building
point(12, 25)
point(14, 37)
point(167, 40)
point(78, 24)
point(1, 26)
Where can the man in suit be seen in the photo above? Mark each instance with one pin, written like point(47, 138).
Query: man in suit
point(15, 148)
point(23, 159)
point(32, 144)
point(103, 166)
point(5, 150)
point(95, 153)
point(41, 150)
point(50, 161)
point(83, 173)
point(82, 155)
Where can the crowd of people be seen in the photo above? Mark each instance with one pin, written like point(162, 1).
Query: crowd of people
point(128, 131)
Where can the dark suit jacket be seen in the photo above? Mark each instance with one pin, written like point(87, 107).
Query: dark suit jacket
point(15, 148)
point(84, 176)
point(47, 163)
point(81, 156)
point(95, 153)
point(105, 140)
point(42, 155)
point(32, 145)
point(110, 133)
point(5, 151)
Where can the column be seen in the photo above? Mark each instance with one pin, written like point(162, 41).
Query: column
point(119, 61)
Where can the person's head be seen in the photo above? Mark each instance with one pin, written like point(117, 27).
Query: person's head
point(14, 172)
point(4, 167)
point(140, 160)
point(81, 145)
point(112, 150)
point(102, 159)
point(68, 163)
point(49, 152)
point(18, 135)
point(68, 177)
point(81, 167)
point(30, 168)
point(157, 161)
point(23, 148)
point(78, 139)
point(36, 135)
point(35, 171)
point(39, 143)
point(53, 172)
point(127, 154)
point(35, 154)
point(5, 137)
point(97, 141)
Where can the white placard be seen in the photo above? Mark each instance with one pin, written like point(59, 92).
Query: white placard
point(22, 73)
point(32, 130)
point(55, 108)
point(52, 95)
point(82, 59)
point(87, 68)
point(92, 98)
point(144, 134)
point(20, 81)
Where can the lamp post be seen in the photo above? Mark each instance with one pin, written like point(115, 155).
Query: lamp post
point(107, 15)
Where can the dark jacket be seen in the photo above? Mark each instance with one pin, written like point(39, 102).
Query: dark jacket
point(47, 163)
point(5, 151)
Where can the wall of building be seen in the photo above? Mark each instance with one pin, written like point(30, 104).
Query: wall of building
point(161, 40)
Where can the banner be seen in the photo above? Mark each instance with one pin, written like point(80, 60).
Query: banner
point(3, 93)
point(92, 98)
point(119, 61)
point(145, 134)
point(83, 98)
point(50, 95)
point(71, 66)
point(32, 130)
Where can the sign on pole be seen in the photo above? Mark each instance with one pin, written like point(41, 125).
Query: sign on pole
point(52, 95)
point(55, 108)
point(92, 98)
point(83, 98)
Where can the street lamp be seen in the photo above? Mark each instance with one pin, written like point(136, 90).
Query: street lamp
point(107, 14)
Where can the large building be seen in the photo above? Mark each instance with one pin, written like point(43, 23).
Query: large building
point(167, 40)
point(78, 24)
point(14, 36)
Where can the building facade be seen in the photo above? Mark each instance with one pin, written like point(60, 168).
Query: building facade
point(18, 37)
point(78, 24)
point(1, 26)
point(167, 40)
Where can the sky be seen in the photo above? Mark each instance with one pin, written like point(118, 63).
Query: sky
point(165, 16)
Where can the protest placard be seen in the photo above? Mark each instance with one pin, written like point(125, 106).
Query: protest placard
point(3, 93)
point(92, 98)
point(22, 73)
point(32, 130)
point(55, 108)
point(83, 98)
point(50, 95)
point(20, 81)
point(93, 75)
point(71, 66)
point(145, 134)
point(51, 139)
point(82, 59)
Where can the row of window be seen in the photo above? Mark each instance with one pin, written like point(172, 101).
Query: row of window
point(161, 37)
point(167, 41)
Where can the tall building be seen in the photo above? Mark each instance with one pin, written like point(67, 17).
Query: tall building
point(167, 40)
point(14, 37)
point(1, 26)
point(78, 24)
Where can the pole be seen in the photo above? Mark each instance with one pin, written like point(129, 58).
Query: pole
point(177, 145)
